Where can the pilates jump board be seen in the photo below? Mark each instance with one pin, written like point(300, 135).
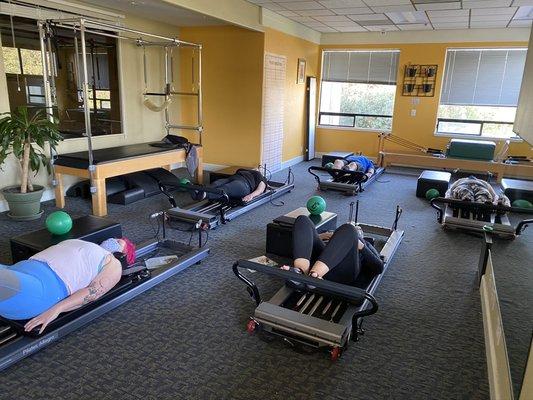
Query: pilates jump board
point(115, 161)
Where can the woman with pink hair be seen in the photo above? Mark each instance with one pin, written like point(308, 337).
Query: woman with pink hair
point(61, 278)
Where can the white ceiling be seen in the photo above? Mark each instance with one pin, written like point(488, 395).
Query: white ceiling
point(405, 15)
point(159, 11)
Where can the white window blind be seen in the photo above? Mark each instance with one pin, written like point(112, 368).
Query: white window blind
point(483, 77)
point(376, 66)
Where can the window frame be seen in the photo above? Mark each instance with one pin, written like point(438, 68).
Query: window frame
point(120, 80)
point(480, 136)
point(353, 128)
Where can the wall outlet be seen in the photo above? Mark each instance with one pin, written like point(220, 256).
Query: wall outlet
point(415, 101)
point(413, 113)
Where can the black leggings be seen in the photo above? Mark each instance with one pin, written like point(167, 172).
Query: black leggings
point(235, 187)
point(342, 256)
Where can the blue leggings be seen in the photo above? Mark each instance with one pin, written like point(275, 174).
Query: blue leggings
point(29, 288)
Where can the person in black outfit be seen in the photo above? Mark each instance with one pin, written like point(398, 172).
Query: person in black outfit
point(346, 255)
point(245, 185)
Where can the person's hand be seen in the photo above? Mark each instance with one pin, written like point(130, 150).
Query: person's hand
point(44, 319)
point(325, 235)
point(247, 198)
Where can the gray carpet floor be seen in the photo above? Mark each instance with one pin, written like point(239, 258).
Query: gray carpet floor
point(186, 338)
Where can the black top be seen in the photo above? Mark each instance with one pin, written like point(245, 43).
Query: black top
point(81, 159)
point(252, 177)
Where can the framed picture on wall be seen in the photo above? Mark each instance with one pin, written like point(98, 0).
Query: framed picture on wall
point(300, 77)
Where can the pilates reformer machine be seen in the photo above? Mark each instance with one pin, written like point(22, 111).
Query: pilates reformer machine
point(168, 258)
point(127, 159)
point(496, 163)
point(348, 182)
point(310, 313)
point(211, 213)
point(479, 217)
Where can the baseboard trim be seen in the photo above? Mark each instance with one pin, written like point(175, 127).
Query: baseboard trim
point(291, 162)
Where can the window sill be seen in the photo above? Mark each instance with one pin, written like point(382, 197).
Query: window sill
point(349, 128)
point(94, 137)
point(474, 137)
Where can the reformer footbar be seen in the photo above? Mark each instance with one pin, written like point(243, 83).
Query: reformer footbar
point(478, 217)
point(349, 182)
point(317, 313)
point(220, 211)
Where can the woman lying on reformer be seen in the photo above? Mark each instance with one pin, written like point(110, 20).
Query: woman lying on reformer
point(476, 190)
point(245, 185)
point(345, 256)
point(61, 278)
point(358, 163)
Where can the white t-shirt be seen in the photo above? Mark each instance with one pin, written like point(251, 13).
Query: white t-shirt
point(76, 262)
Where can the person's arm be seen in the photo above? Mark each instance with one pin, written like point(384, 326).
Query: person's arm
point(259, 190)
point(370, 171)
point(101, 284)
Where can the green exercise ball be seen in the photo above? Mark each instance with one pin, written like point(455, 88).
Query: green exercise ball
point(59, 223)
point(432, 193)
point(329, 165)
point(185, 181)
point(522, 203)
point(316, 205)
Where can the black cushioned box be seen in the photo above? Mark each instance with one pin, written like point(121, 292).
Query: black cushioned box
point(81, 159)
point(279, 232)
point(336, 155)
point(89, 228)
point(517, 189)
point(433, 180)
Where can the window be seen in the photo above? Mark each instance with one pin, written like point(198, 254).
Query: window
point(24, 75)
point(358, 89)
point(480, 92)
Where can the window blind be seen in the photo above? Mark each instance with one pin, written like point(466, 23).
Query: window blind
point(376, 66)
point(483, 77)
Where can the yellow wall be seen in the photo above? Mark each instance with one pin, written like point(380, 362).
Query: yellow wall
point(140, 124)
point(295, 113)
point(232, 82)
point(419, 129)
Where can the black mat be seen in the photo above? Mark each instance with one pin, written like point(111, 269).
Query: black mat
point(81, 158)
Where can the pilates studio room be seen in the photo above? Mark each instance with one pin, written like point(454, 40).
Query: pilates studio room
point(266, 199)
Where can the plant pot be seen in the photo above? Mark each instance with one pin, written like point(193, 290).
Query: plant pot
point(23, 206)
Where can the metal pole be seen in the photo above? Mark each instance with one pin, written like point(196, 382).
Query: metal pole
point(200, 103)
point(128, 30)
point(52, 69)
point(47, 92)
point(87, 111)
point(167, 91)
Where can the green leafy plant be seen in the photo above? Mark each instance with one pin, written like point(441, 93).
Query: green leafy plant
point(24, 136)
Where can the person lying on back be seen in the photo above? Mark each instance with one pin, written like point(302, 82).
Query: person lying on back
point(61, 278)
point(356, 163)
point(244, 184)
point(476, 190)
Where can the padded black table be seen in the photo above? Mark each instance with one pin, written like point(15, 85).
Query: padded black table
point(279, 232)
point(116, 161)
point(518, 189)
point(89, 228)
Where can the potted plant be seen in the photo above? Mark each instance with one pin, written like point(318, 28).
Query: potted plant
point(24, 136)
